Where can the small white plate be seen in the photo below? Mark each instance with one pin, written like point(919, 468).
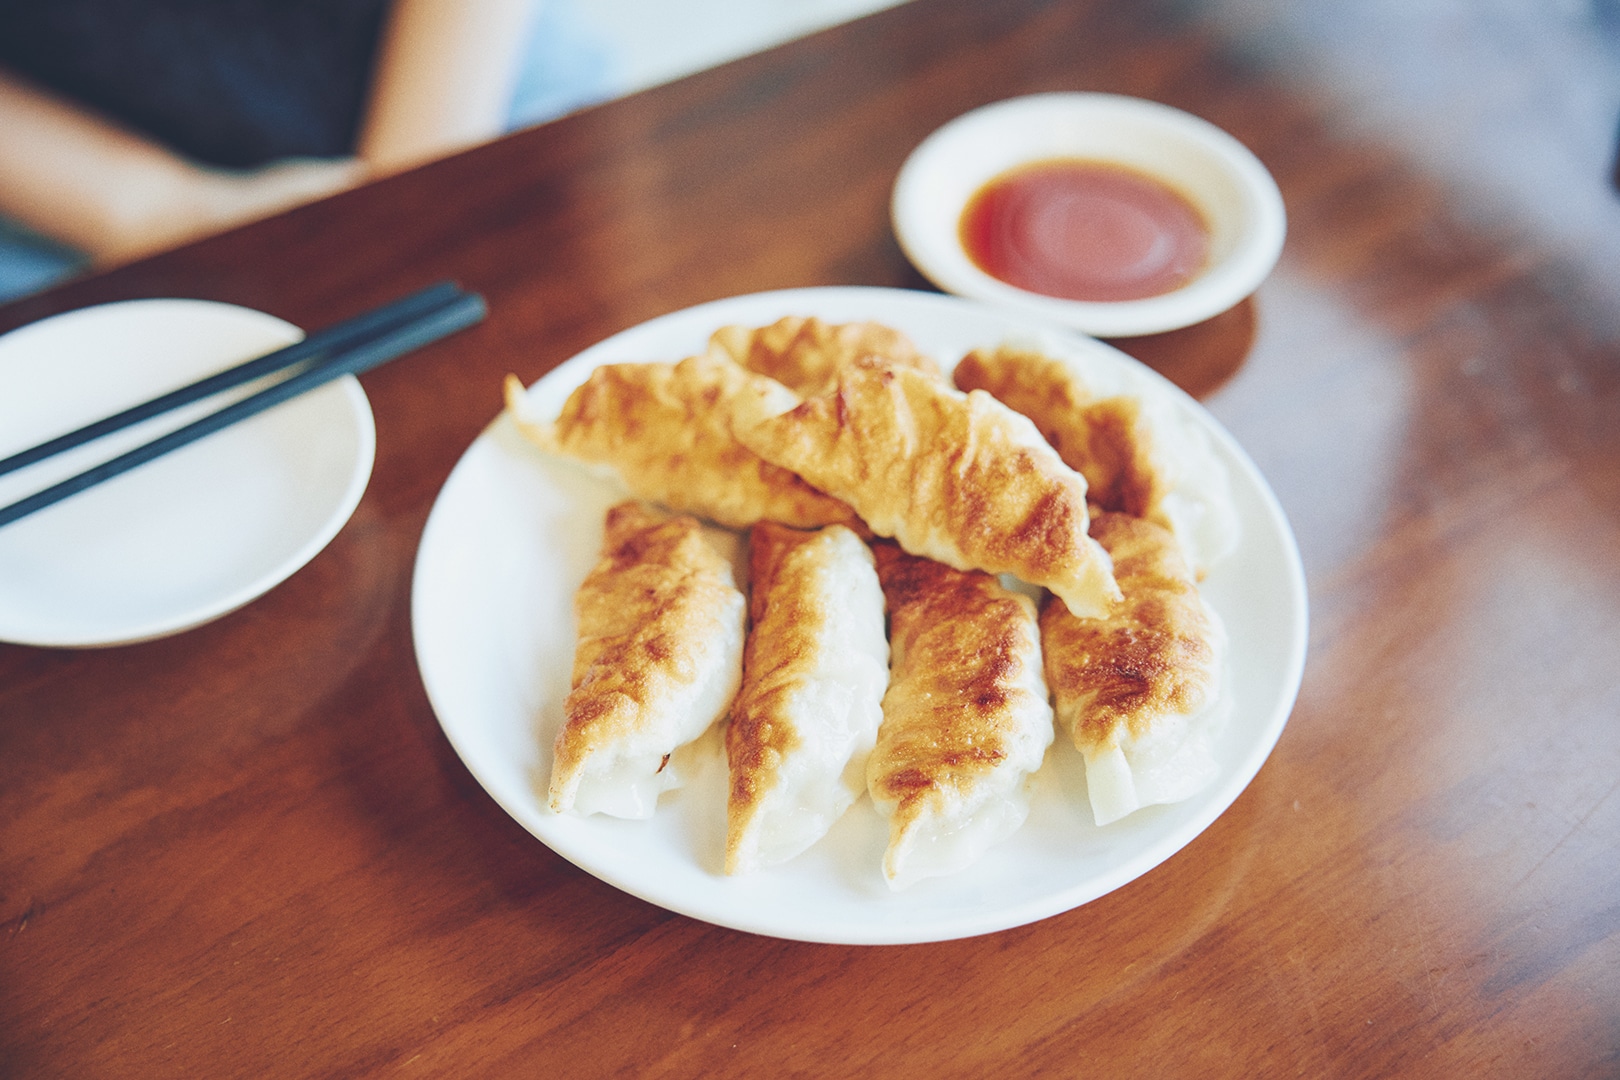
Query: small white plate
point(514, 532)
point(1228, 185)
point(196, 533)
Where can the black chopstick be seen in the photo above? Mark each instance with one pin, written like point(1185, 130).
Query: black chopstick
point(309, 351)
point(463, 310)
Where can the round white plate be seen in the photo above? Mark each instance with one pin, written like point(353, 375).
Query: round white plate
point(196, 533)
point(1230, 187)
point(514, 532)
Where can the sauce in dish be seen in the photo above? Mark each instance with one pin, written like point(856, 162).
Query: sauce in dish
point(1085, 230)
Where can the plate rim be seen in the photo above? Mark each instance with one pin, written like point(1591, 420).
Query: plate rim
point(1215, 800)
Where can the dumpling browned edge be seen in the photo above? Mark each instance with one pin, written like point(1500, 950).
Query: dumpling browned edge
point(651, 613)
point(806, 354)
point(955, 477)
point(966, 683)
point(1104, 439)
point(784, 625)
point(665, 430)
point(1152, 656)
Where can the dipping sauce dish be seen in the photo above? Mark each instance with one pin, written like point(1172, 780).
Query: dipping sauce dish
point(1112, 215)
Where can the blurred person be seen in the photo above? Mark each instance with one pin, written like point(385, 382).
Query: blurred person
point(131, 126)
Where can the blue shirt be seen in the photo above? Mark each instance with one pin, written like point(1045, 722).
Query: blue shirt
point(233, 83)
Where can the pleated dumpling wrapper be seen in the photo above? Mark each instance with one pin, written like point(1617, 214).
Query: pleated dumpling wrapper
point(805, 354)
point(814, 673)
point(1140, 455)
point(966, 720)
point(958, 478)
point(1139, 691)
point(665, 431)
point(661, 626)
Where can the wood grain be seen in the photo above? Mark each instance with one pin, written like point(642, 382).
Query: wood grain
point(248, 850)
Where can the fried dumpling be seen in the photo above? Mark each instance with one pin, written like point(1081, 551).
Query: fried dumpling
point(806, 354)
point(665, 430)
point(1104, 439)
point(966, 720)
point(1138, 455)
point(661, 624)
point(959, 478)
point(814, 673)
point(1138, 691)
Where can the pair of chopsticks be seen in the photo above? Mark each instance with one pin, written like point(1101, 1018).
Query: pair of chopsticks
point(348, 348)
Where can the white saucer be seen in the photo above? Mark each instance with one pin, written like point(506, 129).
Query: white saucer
point(1229, 186)
point(513, 533)
point(192, 535)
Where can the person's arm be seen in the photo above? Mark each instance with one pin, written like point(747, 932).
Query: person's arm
point(78, 178)
point(443, 79)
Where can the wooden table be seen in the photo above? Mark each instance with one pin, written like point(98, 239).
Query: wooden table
point(249, 851)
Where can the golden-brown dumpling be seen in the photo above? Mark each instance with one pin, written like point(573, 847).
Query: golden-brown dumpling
point(659, 659)
point(814, 673)
point(1104, 439)
point(966, 720)
point(1137, 690)
point(805, 354)
point(956, 477)
point(1139, 455)
point(665, 430)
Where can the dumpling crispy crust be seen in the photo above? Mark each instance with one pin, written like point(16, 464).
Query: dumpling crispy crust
point(816, 616)
point(1153, 656)
point(666, 430)
point(806, 354)
point(787, 617)
point(1105, 439)
point(959, 478)
point(660, 633)
point(966, 699)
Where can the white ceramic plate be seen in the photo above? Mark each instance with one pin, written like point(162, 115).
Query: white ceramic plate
point(1228, 184)
point(513, 534)
point(194, 534)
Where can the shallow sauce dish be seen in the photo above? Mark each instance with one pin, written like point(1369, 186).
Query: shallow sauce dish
point(194, 534)
point(514, 532)
point(1230, 188)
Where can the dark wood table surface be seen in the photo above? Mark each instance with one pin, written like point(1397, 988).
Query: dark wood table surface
point(248, 850)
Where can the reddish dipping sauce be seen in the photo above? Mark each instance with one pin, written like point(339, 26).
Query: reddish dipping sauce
point(1084, 230)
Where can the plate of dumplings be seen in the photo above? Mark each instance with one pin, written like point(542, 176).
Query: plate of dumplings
point(859, 615)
